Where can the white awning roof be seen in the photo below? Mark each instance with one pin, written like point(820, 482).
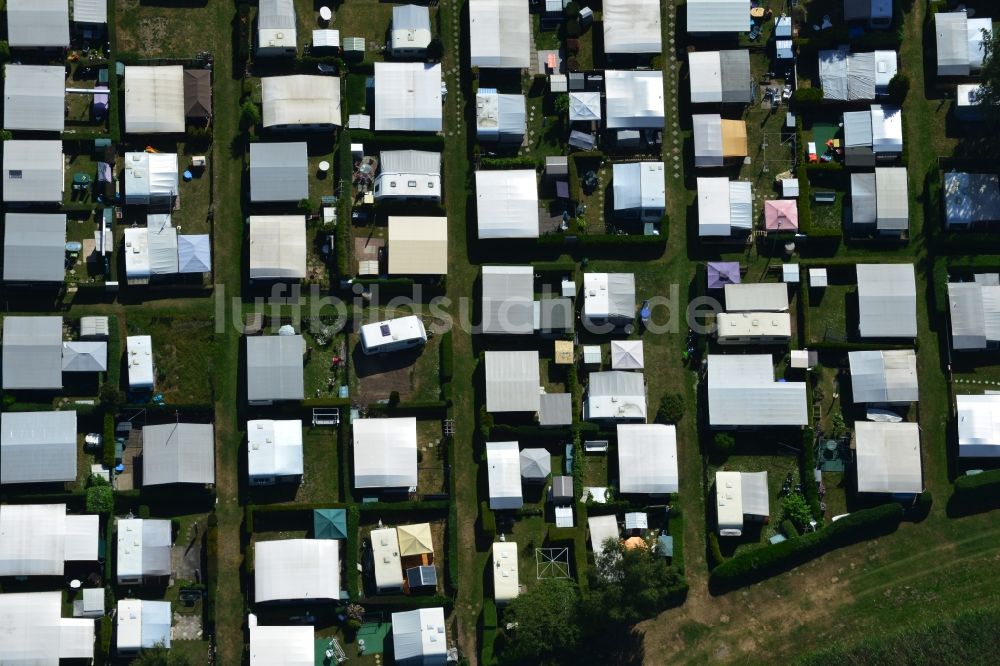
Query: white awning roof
point(602, 528)
point(296, 570)
point(888, 376)
point(504, 467)
point(274, 448)
point(508, 300)
point(705, 69)
point(37, 447)
point(512, 381)
point(632, 26)
point(634, 100)
point(33, 171)
point(418, 637)
point(742, 392)
point(418, 245)
point(34, 98)
point(407, 97)
point(385, 453)
point(33, 631)
point(887, 300)
point(154, 99)
point(499, 34)
point(711, 16)
point(507, 204)
point(978, 426)
point(888, 457)
point(975, 314)
point(38, 539)
point(887, 129)
point(277, 247)
point(282, 646)
point(892, 203)
point(647, 458)
point(757, 297)
point(143, 547)
point(38, 23)
point(301, 99)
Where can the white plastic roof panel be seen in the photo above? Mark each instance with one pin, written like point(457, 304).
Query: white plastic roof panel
point(647, 458)
point(633, 100)
point(301, 100)
point(887, 300)
point(385, 452)
point(407, 97)
point(275, 367)
point(504, 471)
point(742, 391)
point(277, 247)
point(632, 26)
point(512, 381)
point(740, 204)
point(34, 247)
point(705, 69)
point(37, 447)
point(888, 457)
point(713, 207)
point(707, 129)
point(32, 353)
point(38, 23)
point(499, 34)
point(892, 200)
point(887, 129)
point(274, 448)
point(297, 570)
point(978, 426)
point(154, 99)
point(279, 171)
point(282, 645)
point(178, 453)
point(32, 171)
point(863, 199)
point(419, 637)
point(507, 204)
point(90, 11)
point(38, 539)
point(888, 376)
point(33, 631)
point(713, 16)
point(857, 129)
point(508, 298)
point(952, 44)
point(34, 98)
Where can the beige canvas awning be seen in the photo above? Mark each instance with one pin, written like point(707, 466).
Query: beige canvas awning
point(414, 539)
point(734, 138)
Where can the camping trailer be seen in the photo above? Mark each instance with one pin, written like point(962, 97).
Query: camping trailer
point(393, 335)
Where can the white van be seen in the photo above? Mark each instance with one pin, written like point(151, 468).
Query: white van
point(393, 335)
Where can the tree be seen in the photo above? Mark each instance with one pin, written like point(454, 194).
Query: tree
point(100, 497)
point(989, 89)
point(547, 623)
point(435, 49)
point(628, 585)
point(724, 444)
point(562, 104)
point(671, 409)
point(795, 509)
point(899, 86)
point(111, 396)
point(249, 114)
point(160, 656)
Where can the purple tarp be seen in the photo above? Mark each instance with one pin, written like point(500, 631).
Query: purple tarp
point(721, 273)
point(103, 172)
point(100, 100)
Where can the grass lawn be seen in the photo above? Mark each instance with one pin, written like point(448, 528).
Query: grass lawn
point(529, 534)
point(828, 215)
point(184, 350)
point(322, 377)
point(769, 144)
point(320, 478)
point(828, 312)
point(431, 459)
point(164, 30)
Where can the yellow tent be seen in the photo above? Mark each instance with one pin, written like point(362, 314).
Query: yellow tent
point(634, 542)
point(734, 138)
point(414, 539)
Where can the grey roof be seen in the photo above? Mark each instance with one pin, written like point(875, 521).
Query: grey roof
point(857, 10)
point(887, 300)
point(554, 315)
point(512, 381)
point(32, 171)
point(555, 409)
point(276, 15)
point(178, 453)
point(508, 299)
point(37, 447)
point(279, 171)
point(742, 391)
point(535, 463)
point(422, 576)
point(857, 129)
point(970, 198)
point(562, 488)
point(32, 353)
point(737, 83)
point(81, 356)
point(34, 97)
point(274, 367)
point(34, 247)
point(156, 543)
point(194, 253)
point(714, 16)
point(974, 308)
point(892, 201)
point(38, 23)
point(410, 161)
point(863, 198)
point(616, 383)
point(883, 376)
point(754, 494)
point(414, 17)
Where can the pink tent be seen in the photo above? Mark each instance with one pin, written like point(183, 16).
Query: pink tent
point(781, 215)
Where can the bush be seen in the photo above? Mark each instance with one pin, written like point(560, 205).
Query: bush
point(571, 10)
point(573, 46)
point(807, 473)
point(249, 115)
point(4, 51)
point(795, 510)
point(561, 104)
point(393, 399)
point(487, 521)
point(808, 98)
point(671, 409)
point(979, 490)
point(724, 444)
point(100, 498)
point(714, 550)
point(446, 354)
point(899, 86)
point(144, 511)
point(111, 396)
point(755, 565)
point(788, 529)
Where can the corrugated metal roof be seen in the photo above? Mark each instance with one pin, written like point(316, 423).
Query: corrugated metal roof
point(711, 16)
point(508, 296)
point(887, 301)
point(38, 447)
point(888, 376)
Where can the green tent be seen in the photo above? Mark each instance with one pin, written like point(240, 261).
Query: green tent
point(330, 524)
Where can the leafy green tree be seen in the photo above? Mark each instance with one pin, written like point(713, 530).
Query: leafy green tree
point(795, 509)
point(547, 623)
point(562, 104)
point(671, 409)
point(249, 114)
point(989, 91)
point(724, 444)
point(628, 586)
point(899, 87)
point(100, 499)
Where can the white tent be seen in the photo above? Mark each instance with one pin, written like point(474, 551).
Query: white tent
point(584, 106)
point(301, 101)
point(38, 539)
point(297, 570)
point(632, 26)
point(274, 449)
point(33, 631)
point(705, 69)
point(602, 528)
point(37, 447)
point(647, 458)
point(887, 129)
point(634, 99)
point(38, 23)
point(499, 34)
point(742, 392)
point(194, 253)
point(887, 300)
point(33, 171)
point(892, 203)
point(282, 646)
point(978, 426)
point(974, 309)
point(626, 355)
point(419, 638)
point(609, 297)
point(512, 381)
point(407, 97)
point(418, 245)
point(888, 457)
point(505, 574)
point(151, 178)
point(154, 99)
point(385, 453)
point(507, 204)
point(34, 98)
point(504, 466)
point(714, 16)
point(277, 247)
point(141, 623)
point(960, 42)
point(884, 377)
point(508, 300)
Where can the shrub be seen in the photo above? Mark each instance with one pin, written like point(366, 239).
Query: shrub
point(249, 115)
point(788, 529)
point(979, 489)
point(144, 511)
point(795, 510)
point(4, 51)
point(573, 46)
point(561, 104)
point(487, 520)
point(808, 98)
point(393, 399)
point(715, 550)
point(899, 86)
point(724, 444)
point(100, 498)
point(111, 396)
point(571, 10)
point(671, 408)
point(573, 63)
point(306, 206)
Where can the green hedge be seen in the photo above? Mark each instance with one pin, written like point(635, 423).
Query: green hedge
point(426, 409)
point(446, 353)
point(381, 141)
point(108, 444)
point(755, 565)
point(983, 488)
point(211, 571)
point(353, 527)
point(633, 242)
point(509, 162)
point(487, 522)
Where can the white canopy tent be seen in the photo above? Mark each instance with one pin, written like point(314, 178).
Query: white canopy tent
point(507, 204)
point(978, 426)
point(33, 631)
point(297, 570)
point(634, 99)
point(884, 377)
point(647, 458)
point(887, 300)
point(504, 467)
point(38, 447)
point(632, 26)
point(154, 99)
point(888, 457)
point(282, 646)
point(301, 101)
point(602, 528)
point(277, 247)
point(626, 355)
point(151, 178)
point(742, 392)
point(499, 34)
point(408, 97)
point(512, 381)
point(38, 539)
point(194, 253)
point(584, 106)
point(385, 453)
point(141, 624)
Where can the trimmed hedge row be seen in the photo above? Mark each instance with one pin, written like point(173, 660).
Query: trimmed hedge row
point(211, 571)
point(978, 490)
point(755, 565)
point(426, 409)
point(383, 141)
